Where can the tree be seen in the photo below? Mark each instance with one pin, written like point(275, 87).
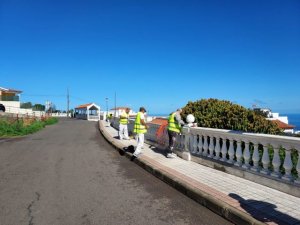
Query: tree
point(223, 114)
point(38, 107)
point(26, 105)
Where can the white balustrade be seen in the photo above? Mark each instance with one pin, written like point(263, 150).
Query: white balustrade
point(276, 162)
point(195, 137)
point(205, 146)
point(298, 168)
point(287, 165)
point(224, 150)
point(265, 160)
point(200, 144)
point(246, 156)
point(238, 154)
point(255, 158)
point(250, 150)
point(231, 151)
point(211, 147)
point(217, 148)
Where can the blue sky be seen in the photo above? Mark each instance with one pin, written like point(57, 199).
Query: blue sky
point(153, 53)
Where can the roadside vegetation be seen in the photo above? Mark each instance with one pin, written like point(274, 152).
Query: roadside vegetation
point(10, 127)
point(222, 114)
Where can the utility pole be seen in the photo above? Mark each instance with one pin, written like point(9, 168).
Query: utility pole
point(106, 100)
point(68, 102)
point(115, 103)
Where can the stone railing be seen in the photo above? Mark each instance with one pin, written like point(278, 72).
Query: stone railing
point(271, 160)
point(271, 155)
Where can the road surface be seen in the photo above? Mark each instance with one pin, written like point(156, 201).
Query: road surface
point(67, 174)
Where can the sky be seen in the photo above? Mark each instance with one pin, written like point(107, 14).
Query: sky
point(153, 53)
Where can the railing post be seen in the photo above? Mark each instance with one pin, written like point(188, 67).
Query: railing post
point(211, 147)
point(276, 162)
point(255, 158)
point(200, 144)
point(205, 146)
point(217, 148)
point(246, 155)
point(194, 143)
point(238, 153)
point(298, 168)
point(287, 165)
point(265, 160)
point(224, 150)
point(231, 152)
point(187, 144)
point(182, 141)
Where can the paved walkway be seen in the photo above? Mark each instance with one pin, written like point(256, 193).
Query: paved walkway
point(235, 198)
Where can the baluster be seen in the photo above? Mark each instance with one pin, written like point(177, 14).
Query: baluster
point(255, 158)
point(211, 147)
point(205, 146)
point(265, 160)
point(246, 155)
point(191, 142)
point(298, 168)
point(182, 141)
point(195, 143)
point(287, 165)
point(200, 145)
point(224, 150)
point(238, 153)
point(217, 148)
point(276, 162)
point(231, 152)
point(186, 142)
point(178, 141)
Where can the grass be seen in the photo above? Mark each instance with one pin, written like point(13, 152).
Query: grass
point(21, 127)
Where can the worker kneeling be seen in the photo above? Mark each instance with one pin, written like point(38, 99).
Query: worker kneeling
point(174, 128)
point(123, 129)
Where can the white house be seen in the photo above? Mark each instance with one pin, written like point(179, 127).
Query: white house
point(281, 121)
point(10, 98)
point(89, 111)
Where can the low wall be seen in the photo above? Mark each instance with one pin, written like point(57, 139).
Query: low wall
point(271, 160)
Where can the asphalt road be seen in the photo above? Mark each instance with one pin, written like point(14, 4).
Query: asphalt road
point(67, 174)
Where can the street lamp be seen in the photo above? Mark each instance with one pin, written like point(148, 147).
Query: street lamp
point(106, 100)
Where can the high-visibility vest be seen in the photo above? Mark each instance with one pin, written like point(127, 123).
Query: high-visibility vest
point(124, 120)
point(173, 125)
point(138, 127)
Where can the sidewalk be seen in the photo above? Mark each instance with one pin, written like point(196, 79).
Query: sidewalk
point(239, 200)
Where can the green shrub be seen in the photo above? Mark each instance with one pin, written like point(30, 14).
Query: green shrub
point(17, 127)
point(223, 114)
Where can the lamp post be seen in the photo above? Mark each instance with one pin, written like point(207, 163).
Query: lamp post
point(106, 100)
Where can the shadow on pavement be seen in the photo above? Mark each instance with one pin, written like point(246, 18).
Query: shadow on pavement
point(264, 211)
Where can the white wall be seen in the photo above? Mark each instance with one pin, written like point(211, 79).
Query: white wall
point(14, 104)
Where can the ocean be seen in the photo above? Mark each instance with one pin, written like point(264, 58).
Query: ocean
point(294, 119)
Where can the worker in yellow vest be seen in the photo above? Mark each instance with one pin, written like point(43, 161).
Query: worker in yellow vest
point(174, 128)
point(123, 129)
point(140, 128)
point(108, 118)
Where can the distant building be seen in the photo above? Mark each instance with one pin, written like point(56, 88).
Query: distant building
point(10, 98)
point(281, 121)
point(89, 111)
point(287, 128)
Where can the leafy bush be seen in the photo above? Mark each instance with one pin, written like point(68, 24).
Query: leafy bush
point(223, 114)
point(18, 127)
